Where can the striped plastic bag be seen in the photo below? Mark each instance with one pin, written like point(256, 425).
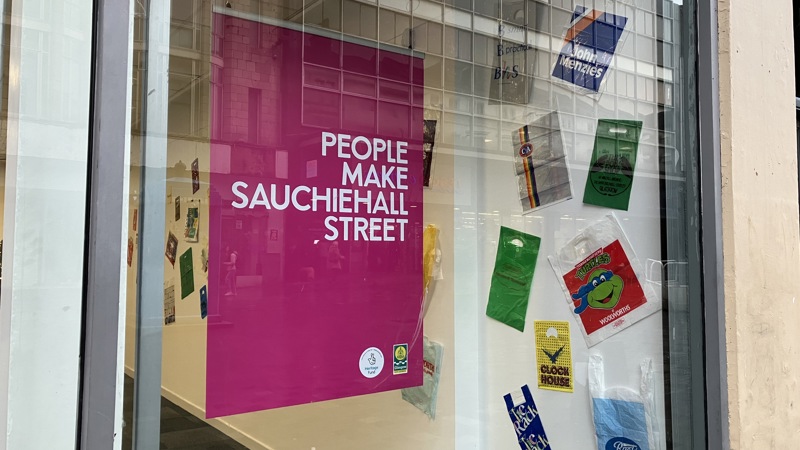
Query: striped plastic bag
point(540, 163)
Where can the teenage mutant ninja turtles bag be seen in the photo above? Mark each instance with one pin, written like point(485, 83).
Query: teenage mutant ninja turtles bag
point(623, 418)
point(600, 274)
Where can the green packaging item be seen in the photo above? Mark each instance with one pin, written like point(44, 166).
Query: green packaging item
point(512, 277)
point(613, 162)
point(187, 273)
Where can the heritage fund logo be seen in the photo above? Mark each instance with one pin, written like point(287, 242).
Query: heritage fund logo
point(371, 362)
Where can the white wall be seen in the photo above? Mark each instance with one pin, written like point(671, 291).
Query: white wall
point(760, 236)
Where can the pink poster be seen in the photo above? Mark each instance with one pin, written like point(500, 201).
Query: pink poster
point(315, 274)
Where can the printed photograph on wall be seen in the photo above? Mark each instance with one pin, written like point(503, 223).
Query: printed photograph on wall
point(195, 176)
point(169, 304)
point(172, 248)
point(187, 273)
point(191, 231)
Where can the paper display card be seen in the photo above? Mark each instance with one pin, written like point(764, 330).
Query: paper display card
point(511, 78)
point(130, 251)
point(192, 230)
point(540, 163)
point(187, 273)
point(512, 277)
point(553, 355)
point(424, 397)
point(203, 302)
point(527, 422)
point(623, 417)
point(428, 138)
point(172, 248)
point(169, 304)
point(590, 42)
point(177, 209)
point(204, 259)
point(195, 176)
point(599, 275)
point(613, 163)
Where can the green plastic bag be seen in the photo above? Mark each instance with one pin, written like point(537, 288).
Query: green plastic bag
point(613, 163)
point(512, 277)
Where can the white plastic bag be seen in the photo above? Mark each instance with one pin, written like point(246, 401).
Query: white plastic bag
point(424, 397)
point(540, 163)
point(603, 281)
point(623, 418)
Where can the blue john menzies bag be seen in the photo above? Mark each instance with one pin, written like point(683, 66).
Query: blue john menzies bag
point(590, 42)
point(527, 422)
point(623, 418)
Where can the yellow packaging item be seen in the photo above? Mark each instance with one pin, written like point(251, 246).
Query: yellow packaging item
point(429, 237)
point(553, 356)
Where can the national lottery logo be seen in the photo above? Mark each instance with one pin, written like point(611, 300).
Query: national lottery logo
point(371, 362)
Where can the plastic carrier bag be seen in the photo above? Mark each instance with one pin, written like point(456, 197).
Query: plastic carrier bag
point(431, 264)
point(424, 397)
point(599, 274)
point(527, 422)
point(540, 163)
point(512, 277)
point(623, 418)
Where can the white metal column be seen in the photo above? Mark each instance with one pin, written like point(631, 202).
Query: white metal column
point(150, 303)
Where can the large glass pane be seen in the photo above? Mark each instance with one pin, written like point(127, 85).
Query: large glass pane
point(362, 224)
point(45, 69)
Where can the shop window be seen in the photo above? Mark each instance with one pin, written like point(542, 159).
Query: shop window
point(527, 119)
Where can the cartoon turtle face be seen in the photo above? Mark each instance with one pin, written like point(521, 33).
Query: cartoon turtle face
point(602, 291)
point(607, 289)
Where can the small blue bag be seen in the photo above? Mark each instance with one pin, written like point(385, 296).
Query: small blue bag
point(623, 418)
point(527, 422)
